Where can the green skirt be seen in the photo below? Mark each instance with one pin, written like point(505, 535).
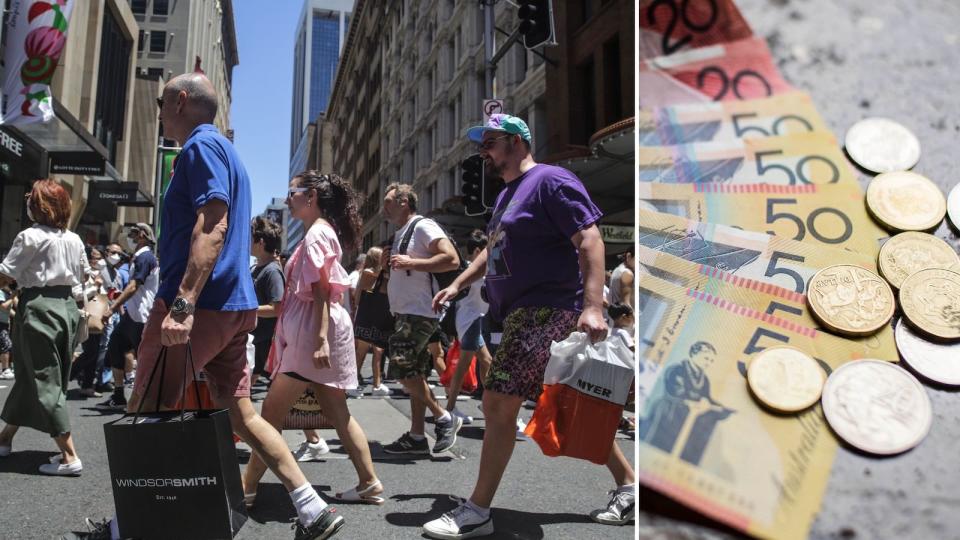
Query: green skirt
point(44, 331)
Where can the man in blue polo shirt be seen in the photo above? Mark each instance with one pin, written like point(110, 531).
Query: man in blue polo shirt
point(206, 297)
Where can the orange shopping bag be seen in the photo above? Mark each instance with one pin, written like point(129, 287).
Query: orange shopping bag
point(585, 389)
point(453, 358)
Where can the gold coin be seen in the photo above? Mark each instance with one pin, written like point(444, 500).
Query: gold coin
point(905, 201)
point(930, 300)
point(785, 379)
point(850, 300)
point(911, 252)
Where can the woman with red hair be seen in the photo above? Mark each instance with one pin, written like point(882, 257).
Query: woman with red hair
point(50, 265)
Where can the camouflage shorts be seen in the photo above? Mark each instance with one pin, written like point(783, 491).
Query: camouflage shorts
point(408, 352)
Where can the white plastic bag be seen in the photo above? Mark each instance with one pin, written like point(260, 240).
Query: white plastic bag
point(603, 370)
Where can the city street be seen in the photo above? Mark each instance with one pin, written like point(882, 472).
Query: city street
point(540, 497)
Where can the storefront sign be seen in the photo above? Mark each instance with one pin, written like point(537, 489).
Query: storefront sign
point(10, 144)
point(36, 34)
point(88, 163)
point(617, 234)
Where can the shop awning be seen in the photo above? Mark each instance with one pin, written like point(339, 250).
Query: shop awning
point(69, 147)
point(607, 169)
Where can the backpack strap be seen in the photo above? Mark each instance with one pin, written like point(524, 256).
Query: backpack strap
point(407, 236)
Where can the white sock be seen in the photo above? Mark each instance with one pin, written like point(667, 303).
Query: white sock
point(627, 488)
point(444, 419)
point(416, 437)
point(114, 528)
point(483, 512)
point(308, 503)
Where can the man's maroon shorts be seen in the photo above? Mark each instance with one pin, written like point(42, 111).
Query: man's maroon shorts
point(218, 342)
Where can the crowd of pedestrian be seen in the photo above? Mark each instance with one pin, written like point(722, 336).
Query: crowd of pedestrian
point(104, 314)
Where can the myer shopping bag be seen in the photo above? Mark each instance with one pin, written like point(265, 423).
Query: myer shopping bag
point(175, 474)
point(585, 389)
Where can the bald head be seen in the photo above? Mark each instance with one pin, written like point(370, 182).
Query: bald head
point(201, 96)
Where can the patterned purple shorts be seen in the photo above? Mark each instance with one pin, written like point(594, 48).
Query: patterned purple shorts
point(524, 350)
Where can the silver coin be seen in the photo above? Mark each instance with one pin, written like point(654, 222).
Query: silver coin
point(882, 145)
point(953, 206)
point(939, 362)
point(877, 406)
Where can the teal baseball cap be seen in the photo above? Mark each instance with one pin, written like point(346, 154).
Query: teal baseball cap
point(503, 123)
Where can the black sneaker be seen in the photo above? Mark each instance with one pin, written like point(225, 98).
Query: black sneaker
point(447, 433)
point(112, 405)
point(326, 525)
point(95, 531)
point(407, 445)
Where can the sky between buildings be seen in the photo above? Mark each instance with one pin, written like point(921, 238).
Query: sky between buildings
point(262, 93)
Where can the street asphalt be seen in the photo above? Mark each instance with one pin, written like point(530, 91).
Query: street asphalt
point(859, 58)
point(540, 497)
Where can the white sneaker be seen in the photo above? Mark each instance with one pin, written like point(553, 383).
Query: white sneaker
point(530, 404)
point(311, 451)
point(461, 522)
point(521, 426)
point(355, 393)
point(467, 419)
point(6, 374)
point(60, 469)
point(5, 450)
point(380, 391)
point(619, 510)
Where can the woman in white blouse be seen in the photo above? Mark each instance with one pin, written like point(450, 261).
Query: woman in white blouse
point(50, 265)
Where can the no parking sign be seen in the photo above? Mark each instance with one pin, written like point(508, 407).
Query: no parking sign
point(491, 107)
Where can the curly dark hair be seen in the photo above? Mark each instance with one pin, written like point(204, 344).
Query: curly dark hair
point(338, 202)
point(268, 231)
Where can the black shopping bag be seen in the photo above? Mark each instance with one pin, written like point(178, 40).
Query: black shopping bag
point(175, 474)
point(374, 322)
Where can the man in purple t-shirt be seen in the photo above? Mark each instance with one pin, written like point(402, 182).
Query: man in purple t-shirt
point(544, 279)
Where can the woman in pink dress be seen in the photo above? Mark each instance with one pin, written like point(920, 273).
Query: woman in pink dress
point(314, 344)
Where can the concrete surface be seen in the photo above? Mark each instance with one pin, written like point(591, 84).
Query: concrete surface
point(539, 497)
point(899, 59)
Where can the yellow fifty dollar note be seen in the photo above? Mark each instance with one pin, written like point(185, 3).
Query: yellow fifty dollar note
point(782, 114)
point(804, 158)
point(703, 440)
point(763, 257)
point(761, 296)
point(833, 215)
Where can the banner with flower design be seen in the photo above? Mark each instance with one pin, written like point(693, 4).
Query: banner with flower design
point(36, 35)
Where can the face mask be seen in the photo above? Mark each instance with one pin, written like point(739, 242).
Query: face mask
point(113, 259)
point(131, 244)
point(30, 215)
point(101, 264)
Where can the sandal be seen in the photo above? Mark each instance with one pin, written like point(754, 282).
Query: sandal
point(352, 495)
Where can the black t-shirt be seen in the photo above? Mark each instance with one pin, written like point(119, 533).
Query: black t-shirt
point(268, 283)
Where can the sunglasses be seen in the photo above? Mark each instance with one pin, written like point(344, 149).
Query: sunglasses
point(160, 102)
point(294, 191)
point(490, 143)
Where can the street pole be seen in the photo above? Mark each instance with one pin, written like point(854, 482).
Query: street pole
point(488, 44)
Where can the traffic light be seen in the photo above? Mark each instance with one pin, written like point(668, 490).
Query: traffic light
point(472, 186)
point(536, 23)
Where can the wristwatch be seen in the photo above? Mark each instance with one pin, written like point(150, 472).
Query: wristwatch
point(182, 307)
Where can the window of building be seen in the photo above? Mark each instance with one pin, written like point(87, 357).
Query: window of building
point(431, 198)
point(112, 79)
point(161, 7)
point(453, 186)
point(612, 91)
point(138, 6)
point(583, 117)
point(140, 42)
point(158, 41)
